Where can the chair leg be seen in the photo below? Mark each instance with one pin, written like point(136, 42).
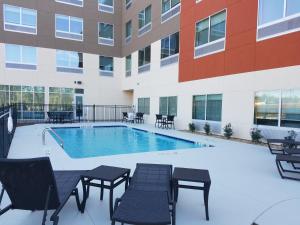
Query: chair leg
point(46, 205)
point(75, 192)
point(1, 195)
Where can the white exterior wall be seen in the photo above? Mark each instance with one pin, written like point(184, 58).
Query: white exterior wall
point(238, 91)
point(99, 90)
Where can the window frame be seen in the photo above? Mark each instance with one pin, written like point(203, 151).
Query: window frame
point(145, 100)
point(170, 9)
point(144, 50)
point(107, 39)
point(69, 27)
point(283, 19)
point(128, 72)
point(209, 34)
point(205, 109)
point(21, 57)
point(110, 71)
point(144, 17)
point(69, 3)
point(168, 108)
point(169, 37)
point(69, 67)
point(20, 25)
point(109, 6)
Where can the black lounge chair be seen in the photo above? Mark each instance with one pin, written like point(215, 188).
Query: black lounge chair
point(283, 146)
point(31, 184)
point(159, 120)
point(286, 173)
point(149, 197)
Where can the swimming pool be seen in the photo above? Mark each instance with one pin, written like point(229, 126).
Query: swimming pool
point(114, 140)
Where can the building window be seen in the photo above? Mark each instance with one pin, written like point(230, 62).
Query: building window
point(71, 2)
point(106, 6)
point(4, 95)
point(61, 99)
point(106, 65)
point(169, 9)
point(128, 31)
point(275, 12)
point(31, 100)
point(207, 107)
point(20, 57)
point(70, 62)
point(210, 34)
point(144, 59)
point(106, 34)
point(68, 27)
point(278, 108)
point(166, 5)
point(145, 20)
point(144, 105)
point(168, 105)
point(20, 19)
point(128, 3)
point(170, 46)
point(128, 66)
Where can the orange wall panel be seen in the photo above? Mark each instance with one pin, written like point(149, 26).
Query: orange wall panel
point(242, 52)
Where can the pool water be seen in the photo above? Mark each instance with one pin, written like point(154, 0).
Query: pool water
point(114, 140)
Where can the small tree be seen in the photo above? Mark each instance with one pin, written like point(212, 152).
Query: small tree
point(256, 135)
point(206, 128)
point(192, 127)
point(228, 132)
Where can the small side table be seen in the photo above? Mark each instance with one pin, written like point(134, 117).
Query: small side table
point(114, 175)
point(192, 175)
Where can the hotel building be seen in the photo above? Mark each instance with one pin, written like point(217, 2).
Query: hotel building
point(216, 62)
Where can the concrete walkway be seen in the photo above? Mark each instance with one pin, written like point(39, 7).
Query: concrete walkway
point(245, 182)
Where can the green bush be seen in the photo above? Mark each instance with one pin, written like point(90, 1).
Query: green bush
point(256, 135)
point(228, 131)
point(192, 127)
point(206, 128)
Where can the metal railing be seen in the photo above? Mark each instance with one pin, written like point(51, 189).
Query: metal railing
point(6, 136)
point(54, 133)
point(37, 113)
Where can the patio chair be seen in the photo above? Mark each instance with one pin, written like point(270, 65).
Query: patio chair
point(31, 184)
point(125, 117)
point(278, 146)
point(139, 117)
point(286, 173)
point(159, 120)
point(170, 121)
point(149, 197)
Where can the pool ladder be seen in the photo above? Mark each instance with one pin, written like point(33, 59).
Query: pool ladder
point(55, 134)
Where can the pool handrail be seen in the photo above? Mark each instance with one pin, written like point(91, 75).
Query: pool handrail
point(55, 134)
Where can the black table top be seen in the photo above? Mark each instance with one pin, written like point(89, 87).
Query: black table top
point(143, 207)
point(106, 173)
point(192, 175)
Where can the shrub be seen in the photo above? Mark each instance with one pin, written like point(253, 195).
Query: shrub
point(228, 132)
point(192, 127)
point(206, 128)
point(256, 135)
point(291, 135)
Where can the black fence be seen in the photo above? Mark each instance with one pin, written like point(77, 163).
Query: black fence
point(33, 113)
point(6, 136)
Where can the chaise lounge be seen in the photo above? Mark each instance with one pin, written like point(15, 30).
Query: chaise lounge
point(149, 197)
point(31, 184)
point(287, 173)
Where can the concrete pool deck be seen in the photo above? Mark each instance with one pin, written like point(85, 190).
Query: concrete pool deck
point(245, 181)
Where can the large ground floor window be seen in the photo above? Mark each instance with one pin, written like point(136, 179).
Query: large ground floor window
point(168, 105)
point(61, 99)
point(144, 105)
point(278, 108)
point(207, 107)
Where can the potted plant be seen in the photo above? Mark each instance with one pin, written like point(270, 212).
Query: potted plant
point(192, 127)
point(256, 135)
point(206, 128)
point(228, 131)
